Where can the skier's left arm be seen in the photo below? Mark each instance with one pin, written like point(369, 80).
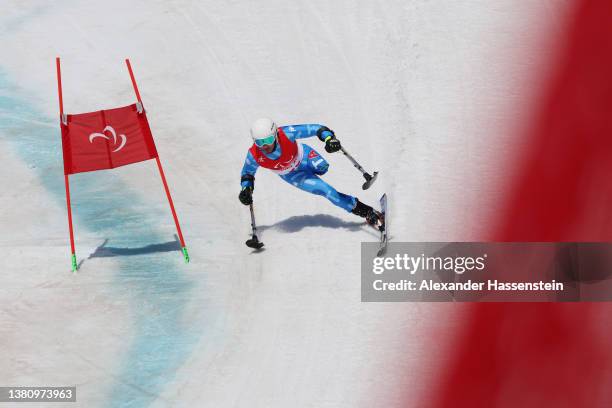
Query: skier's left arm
point(247, 179)
point(247, 175)
point(324, 134)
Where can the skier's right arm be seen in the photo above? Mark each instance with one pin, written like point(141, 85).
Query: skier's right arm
point(247, 179)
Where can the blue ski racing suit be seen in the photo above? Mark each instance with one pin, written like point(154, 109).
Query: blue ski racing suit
point(304, 168)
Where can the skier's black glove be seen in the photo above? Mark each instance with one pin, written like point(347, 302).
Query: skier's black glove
point(332, 144)
point(246, 195)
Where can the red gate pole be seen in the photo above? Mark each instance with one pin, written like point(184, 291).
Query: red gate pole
point(66, 182)
point(161, 173)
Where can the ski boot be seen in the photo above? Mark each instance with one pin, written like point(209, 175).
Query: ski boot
point(373, 217)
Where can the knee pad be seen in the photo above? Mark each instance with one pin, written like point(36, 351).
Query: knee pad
point(321, 168)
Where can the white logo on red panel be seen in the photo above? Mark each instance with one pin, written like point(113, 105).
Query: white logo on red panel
point(110, 130)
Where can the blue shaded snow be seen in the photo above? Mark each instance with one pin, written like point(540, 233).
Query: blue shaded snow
point(153, 285)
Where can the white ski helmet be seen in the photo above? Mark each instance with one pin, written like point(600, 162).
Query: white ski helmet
point(263, 131)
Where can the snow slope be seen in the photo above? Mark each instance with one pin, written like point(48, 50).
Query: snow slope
point(417, 90)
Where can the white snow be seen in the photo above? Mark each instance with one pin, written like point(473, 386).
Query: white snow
point(423, 92)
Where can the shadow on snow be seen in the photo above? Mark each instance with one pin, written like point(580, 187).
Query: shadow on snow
point(105, 252)
point(299, 222)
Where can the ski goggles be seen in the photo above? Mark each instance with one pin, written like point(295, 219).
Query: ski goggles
point(266, 140)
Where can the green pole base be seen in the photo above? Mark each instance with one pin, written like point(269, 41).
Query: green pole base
point(74, 263)
point(185, 255)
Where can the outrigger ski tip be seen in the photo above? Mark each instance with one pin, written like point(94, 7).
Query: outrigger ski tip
point(254, 243)
point(370, 179)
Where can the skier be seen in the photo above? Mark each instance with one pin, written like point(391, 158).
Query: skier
point(277, 149)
